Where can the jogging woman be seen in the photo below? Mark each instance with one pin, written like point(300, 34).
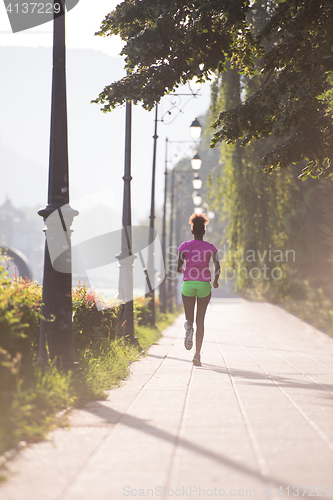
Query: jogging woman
point(196, 287)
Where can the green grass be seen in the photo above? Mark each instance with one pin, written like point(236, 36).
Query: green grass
point(148, 336)
point(103, 367)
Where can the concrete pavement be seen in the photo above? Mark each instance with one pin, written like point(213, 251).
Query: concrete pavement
point(254, 421)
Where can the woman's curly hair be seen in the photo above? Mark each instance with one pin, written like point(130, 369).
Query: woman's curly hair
point(198, 223)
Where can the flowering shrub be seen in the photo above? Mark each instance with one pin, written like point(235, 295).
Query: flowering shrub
point(20, 304)
point(91, 324)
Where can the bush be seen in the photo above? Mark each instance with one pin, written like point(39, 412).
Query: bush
point(90, 324)
point(20, 303)
point(142, 311)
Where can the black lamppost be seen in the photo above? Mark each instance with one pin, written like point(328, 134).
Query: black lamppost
point(56, 325)
point(195, 128)
point(166, 285)
point(151, 261)
point(163, 295)
point(126, 257)
point(197, 183)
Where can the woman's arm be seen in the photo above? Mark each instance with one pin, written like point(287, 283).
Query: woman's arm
point(217, 270)
point(180, 263)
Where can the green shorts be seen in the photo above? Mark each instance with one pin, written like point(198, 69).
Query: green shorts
point(196, 288)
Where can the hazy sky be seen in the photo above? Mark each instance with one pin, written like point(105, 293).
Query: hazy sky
point(96, 140)
point(81, 24)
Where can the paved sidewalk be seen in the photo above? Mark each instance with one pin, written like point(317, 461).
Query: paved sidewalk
point(256, 420)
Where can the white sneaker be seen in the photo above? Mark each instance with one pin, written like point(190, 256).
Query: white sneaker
point(196, 360)
point(188, 340)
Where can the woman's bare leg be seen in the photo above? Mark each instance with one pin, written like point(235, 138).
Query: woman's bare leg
point(189, 303)
point(202, 304)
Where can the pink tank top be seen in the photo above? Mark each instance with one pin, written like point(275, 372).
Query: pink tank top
point(197, 254)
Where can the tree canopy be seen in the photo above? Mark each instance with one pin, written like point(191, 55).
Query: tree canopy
point(169, 43)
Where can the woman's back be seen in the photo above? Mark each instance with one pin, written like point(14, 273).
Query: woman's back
point(197, 254)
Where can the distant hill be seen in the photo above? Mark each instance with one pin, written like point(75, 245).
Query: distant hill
point(25, 101)
point(24, 182)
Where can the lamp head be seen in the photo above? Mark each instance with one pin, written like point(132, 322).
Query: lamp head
point(194, 85)
point(195, 129)
point(197, 182)
point(197, 199)
point(196, 161)
point(198, 210)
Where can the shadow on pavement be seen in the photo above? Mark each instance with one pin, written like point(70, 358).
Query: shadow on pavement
point(251, 378)
point(113, 417)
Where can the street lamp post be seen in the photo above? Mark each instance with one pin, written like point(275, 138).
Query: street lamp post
point(151, 260)
point(166, 285)
point(163, 295)
point(126, 257)
point(179, 210)
point(196, 165)
point(56, 323)
point(195, 133)
point(170, 280)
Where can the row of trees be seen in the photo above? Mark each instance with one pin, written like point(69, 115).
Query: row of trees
point(271, 62)
point(273, 219)
point(270, 219)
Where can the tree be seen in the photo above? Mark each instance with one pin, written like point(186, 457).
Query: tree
point(269, 213)
point(253, 204)
point(168, 43)
point(294, 102)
